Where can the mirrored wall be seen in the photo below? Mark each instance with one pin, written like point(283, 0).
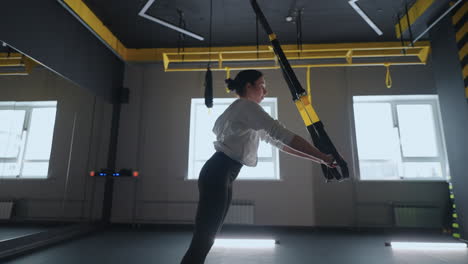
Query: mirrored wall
point(52, 134)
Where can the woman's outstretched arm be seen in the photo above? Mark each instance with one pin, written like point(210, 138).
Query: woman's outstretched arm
point(302, 148)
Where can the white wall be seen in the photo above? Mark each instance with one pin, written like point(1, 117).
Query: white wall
point(154, 136)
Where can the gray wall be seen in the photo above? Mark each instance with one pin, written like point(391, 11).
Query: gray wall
point(154, 138)
point(366, 203)
point(48, 33)
point(53, 198)
point(454, 108)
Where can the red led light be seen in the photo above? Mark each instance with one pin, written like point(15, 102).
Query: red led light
point(135, 174)
point(92, 173)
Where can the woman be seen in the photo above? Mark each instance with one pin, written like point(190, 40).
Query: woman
point(238, 131)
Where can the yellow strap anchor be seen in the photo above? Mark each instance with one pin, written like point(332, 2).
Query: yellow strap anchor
point(388, 77)
point(308, 85)
point(228, 75)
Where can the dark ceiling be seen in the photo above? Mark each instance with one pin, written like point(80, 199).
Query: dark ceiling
point(5, 48)
point(234, 23)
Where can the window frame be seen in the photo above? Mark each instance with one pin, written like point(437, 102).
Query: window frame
point(394, 101)
point(267, 101)
point(28, 107)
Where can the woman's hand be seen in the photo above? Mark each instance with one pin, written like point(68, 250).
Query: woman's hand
point(329, 160)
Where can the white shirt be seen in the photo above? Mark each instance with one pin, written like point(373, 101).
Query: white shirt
point(239, 129)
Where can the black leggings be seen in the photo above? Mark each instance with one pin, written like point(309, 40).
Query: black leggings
point(215, 190)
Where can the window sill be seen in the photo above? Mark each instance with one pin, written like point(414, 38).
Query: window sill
point(247, 180)
point(23, 179)
point(407, 180)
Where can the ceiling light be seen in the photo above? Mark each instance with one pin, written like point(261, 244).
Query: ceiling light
point(245, 243)
point(355, 6)
point(428, 246)
point(289, 18)
point(142, 13)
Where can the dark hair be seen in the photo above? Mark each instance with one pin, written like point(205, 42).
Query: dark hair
point(241, 80)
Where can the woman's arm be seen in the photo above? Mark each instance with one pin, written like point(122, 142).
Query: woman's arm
point(302, 148)
point(258, 119)
point(293, 152)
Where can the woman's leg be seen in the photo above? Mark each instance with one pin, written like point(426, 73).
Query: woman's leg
point(232, 176)
point(214, 198)
point(228, 203)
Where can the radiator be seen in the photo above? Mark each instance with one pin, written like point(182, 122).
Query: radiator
point(5, 209)
point(240, 212)
point(417, 216)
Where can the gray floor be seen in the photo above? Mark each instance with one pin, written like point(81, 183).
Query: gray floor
point(167, 245)
point(9, 231)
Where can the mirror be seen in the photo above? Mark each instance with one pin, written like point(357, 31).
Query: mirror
point(50, 139)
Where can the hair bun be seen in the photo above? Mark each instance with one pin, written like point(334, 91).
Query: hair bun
point(232, 85)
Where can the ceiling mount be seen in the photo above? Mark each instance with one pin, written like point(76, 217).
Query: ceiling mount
point(143, 13)
point(294, 14)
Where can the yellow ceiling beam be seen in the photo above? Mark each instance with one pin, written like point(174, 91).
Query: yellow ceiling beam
point(26, 63)
point(424, 53)
point(156, 54)
point(372, 49)
point(10, 56)
point(460, 13)
point(354, 46)
point(414, 13)
point(302, 66)
point(12, 63)
point(349, 51)
point(20, 73)
point(21, 64)
point(181, 61)
point(91, 20)
point(292, 55)
point(463, 52)
point(462, 32)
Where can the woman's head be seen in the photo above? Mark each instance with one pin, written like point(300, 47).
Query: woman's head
point(248, 84)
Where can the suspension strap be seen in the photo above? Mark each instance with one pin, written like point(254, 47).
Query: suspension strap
point(307, 112)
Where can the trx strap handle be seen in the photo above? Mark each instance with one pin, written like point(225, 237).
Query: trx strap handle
point(299, 95)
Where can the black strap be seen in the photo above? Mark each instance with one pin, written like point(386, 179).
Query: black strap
point(316, 130)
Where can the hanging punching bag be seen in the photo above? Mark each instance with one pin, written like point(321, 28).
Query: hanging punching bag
point(208, 88)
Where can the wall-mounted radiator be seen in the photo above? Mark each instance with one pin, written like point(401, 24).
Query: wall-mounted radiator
point(240, 212)
point(417, 216)
point(5, 209)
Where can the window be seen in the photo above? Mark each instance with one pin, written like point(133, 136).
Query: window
point(201, 141)
point(26, 132)
point(399, 138)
